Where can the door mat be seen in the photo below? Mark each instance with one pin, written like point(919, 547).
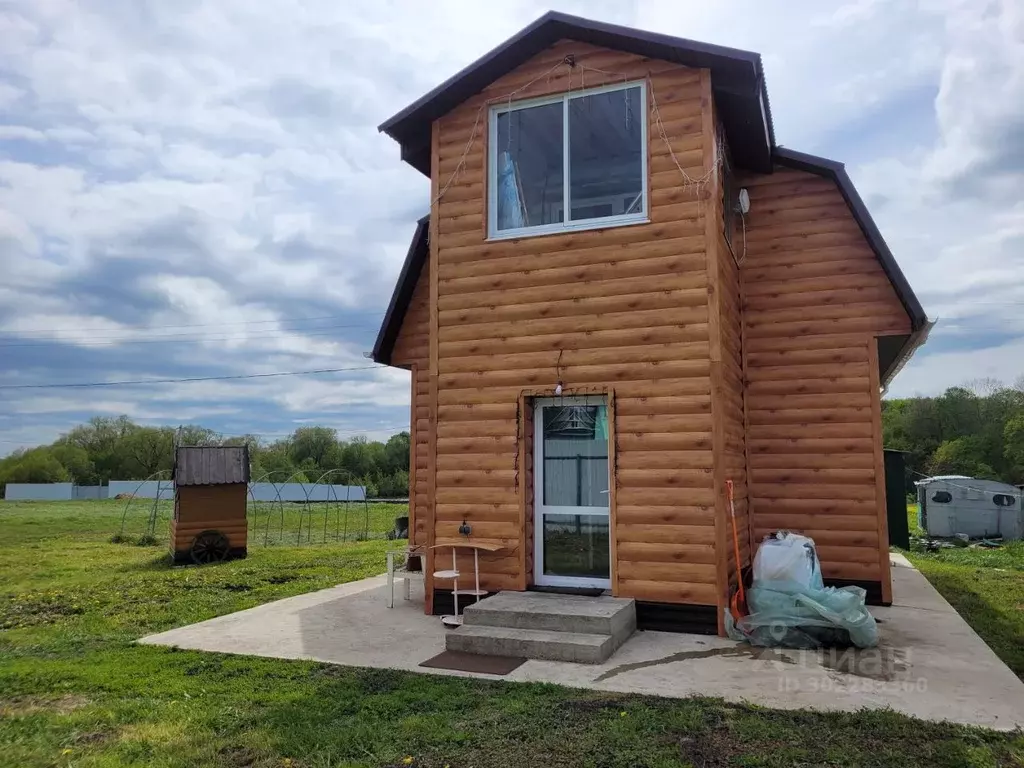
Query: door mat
point(472, 662)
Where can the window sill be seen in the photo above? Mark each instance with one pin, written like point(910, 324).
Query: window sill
point(542, 231)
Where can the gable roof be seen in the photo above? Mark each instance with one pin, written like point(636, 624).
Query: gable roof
point(737, 79)
point(211, 464)
point(836, 172)
point(742, 102)
point(894, 351)
point(415, 258)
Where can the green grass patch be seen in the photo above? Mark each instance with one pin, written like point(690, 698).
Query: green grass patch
point(76, 691)
point(986, 586)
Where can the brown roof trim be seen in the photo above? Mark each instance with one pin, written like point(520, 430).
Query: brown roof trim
point(415, 258)
point(737, 79)
point(836, 171)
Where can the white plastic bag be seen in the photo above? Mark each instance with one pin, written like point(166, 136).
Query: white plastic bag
point(791, 608)
point(787, 557)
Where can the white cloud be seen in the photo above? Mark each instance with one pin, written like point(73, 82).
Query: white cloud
point(936, 372)
point(216, 166)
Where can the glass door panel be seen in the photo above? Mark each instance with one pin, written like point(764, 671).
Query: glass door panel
point(571, 492)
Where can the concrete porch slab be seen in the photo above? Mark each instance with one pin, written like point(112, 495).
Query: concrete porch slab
point(929, 664)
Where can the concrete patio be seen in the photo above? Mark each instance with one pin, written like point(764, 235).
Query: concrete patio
point(929, 664)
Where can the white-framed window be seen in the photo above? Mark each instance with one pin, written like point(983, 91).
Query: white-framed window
point(584, 152)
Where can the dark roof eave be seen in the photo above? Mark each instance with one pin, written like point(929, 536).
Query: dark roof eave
point(836, 171)
point(415, 258)
point(914, 341)
point(737, 78)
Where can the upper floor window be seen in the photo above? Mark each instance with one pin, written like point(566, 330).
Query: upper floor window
point(583, 152)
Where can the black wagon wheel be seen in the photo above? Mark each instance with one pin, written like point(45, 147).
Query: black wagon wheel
point(209, 547)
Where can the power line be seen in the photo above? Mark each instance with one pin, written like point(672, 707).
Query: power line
point(324, 330)
point(189, 379)
point(194, 325)
point(229, 435)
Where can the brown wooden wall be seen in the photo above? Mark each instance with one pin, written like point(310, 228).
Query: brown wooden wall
point(201, 508)
point(727, 384)
point(626, 307)
point(815, 298)
point(412, 351)
point(764, 373)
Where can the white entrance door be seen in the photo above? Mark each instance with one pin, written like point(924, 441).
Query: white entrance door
point(571, 536)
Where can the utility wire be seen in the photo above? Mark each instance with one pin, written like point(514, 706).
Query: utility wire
point(323, 330)
point(189, 379)
point(194, 325)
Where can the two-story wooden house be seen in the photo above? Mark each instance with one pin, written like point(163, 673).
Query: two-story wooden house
point(626, 294)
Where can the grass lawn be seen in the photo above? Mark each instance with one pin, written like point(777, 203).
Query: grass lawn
point(76, 691)
point(986, 586)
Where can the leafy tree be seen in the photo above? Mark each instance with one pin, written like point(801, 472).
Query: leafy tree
point(193, 434)
point(962, 456)
point(148, 450)
point(396, 453)
point(75, 460)
point(37, 465)
point(116, 448)
point(393, 485)
point(315, 448)
point(101, 438)
point(356, 457)
point(1013, 437)
point(274, 461)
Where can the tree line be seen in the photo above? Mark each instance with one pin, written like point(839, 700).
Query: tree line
point(105, 449)
point(975, 430)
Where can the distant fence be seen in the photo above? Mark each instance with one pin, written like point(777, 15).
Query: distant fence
point(306, 492)
point(140, 489)
point(164, 489)
point(90, 492)
point(40, 491)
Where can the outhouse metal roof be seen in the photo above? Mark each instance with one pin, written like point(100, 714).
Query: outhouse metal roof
point(211, 465)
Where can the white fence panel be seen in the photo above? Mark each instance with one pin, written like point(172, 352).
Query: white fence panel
point(90, 492)
point(40, 491)
point(298, 491)
point(150, 489)
point(142, 489)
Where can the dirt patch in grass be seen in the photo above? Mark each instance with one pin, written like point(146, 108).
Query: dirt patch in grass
point(92, 738)
point(235, 756)
point(30, 609)
point(284, 578)
point(27, 705)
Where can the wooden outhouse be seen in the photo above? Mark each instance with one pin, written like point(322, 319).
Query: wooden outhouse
point(625, 295)
point(211, 485)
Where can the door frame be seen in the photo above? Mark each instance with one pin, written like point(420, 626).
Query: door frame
point(539, 509)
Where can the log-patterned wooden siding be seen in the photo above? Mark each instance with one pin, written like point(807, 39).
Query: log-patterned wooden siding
point(210, 507)
point(412, 351)
point(815, 298)
point(727, 389)
point(627, 309)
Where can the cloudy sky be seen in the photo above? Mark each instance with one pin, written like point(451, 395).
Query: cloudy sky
point(196, 189)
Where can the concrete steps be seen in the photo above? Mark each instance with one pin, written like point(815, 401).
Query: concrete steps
point(546, 626)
